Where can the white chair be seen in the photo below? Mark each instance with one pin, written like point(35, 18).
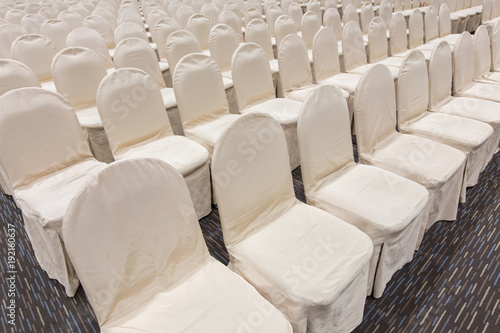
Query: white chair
point(482, 58)
point(331, 19)
point(272, 14)
point(377, 45)
point(103, 27)
point(199, 25)
point(354, 192)
point(223, 41)
point(349, 14)
point(415, 29)
point(464, 72)
point(283, 26)
point(251, 14)
point(229, 18)
point(183, 14)
point(207, 116)
point(495, 47)
point(440, 99)
point(74, 19)
point(311, 24)
point(211, 12)
point(398, 36)
point(15, 16)
point(36, 52)
point(268, 232)
point(32, 23)
point(161, 32)
point(445, 25)
point(57, 31)
point(470, 136)
point(46, 166)
point(255, 92)
point(91, 39)
point(385, 12)
point(178, 44)
point(130, 16)
point(137, 126)
point(315, 7)
point(49, 13)
point(127, 30)
point(8, 34)
point(154, 17)
point(439, 168)
point(173, 280)
point(77, 73)
point(366, 16)
point(295, 12)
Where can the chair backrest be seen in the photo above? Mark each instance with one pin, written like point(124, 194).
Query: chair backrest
point(463, 62)
point(324, 135)
point(183, 14)
point(140, 118)
point(431, 24)
point(482, 51)
point(440, 74)
point(233, 6)
point(310, 26)
point(399, 38)
point(14, 74)
point(223, 42)
point(315, 7)
point(197, 75)
point(136, 53)
point(374, 108)
point(284, 4)
point(77, 72)
point(154, 16)
point(91, 39)
point(284, 26)
point(48, 12)
point(32, 8)
point(15, 16)
point(255, 4)
point(272, 14)
point(197, 5)
point(173, 7)
point(350, 14)
point(385, 12)
point(293, 61)
point(444, 20)
point(252, 77)
point(353, 46)
point(8, 34)
point(57, 31)
point(99, 24)
point(129, 29)
point(251, 13)
point(229, 18)
point(49, 139)
point(295, 12)
point(495, 47)
point(31, 23)
point(416, 29)
point(162, 30)
point(263, 180)
point(366, 16)
point(74, 19)
point(35, 51)
point(258, 33)
point(377, 40)
point(108, 16)
point(80, 9)
point(412, 93)
point(171, 246)
point(486, 14)
point(130, 16)
point(332, 20)
point(180, 43)
point(325, 54)
point(269, 3)
point(210, 12)
point(199, 25)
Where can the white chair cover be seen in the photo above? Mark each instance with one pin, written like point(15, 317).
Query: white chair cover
point(495, 47)
point(385, 12)
point(57, 31)
point(310, 26)
point(15, 16)
point(171, 282)
point(47, 160)
point(349, 14)
point(398, 35)
point(199, 25)
point(315, 7)
point(431, 24)
point(183, 14)
point(331, 19)
point(437, 167)
point(295, 12)
point(223, 42)
point(127, 30)
point(91, 39)
point(229, 18)
point(8, 33)
point(416, 29)
point(99, 24)
point(272, 13)
point(482, 58)
point(130, 16)
point(283, 27)
point(155, 16)
point(263, 241)
point(48, 12)
point(179, 43)
point(77, 73)
point(355, 193)
point(366, 16)
point(205, 117)
point(470, 136)
point(32, 23)
point(251, 13)
point(197, 5)
point(440, 99)
point(162, 31)
point(140, 128)
point(74, 19)
point(36, 52)
point(255, 92)
point(211, 12)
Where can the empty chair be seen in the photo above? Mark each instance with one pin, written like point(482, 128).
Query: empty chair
point(279, 232)
point(438, 167)
point(130, 16)
point(251, 13)
point(495, 47)
point(197, 5)
point(57, 31)
point(223, 42)
point(8, 34)
point(32, 8)
point(49, 13)
point(415, 29)
point(229, 18)
point(210, 12)
point(331, 19)
point(32, 23)
point(295, 69)
point(464, 72)
point(161, 32)
point(172, 281)
point(36, 52)
point(355, 192)
point(315, 7)
point(173, 7)
point(398, 36)
point(295, 12)
point(15, 16)
point(134, 118)
point(77, 73)
point(366, 16)
point(284, 26)
point(46, 166)
point(255, 92)
point(154, 17)
point(74, 19)
point(482, 57)
point(470, 136)
point(103, 27)
point(183, 14)
point(127, 30)
point(205, 117)
point(91, 39)
point(385, 12)
point(272, 14)
point(310, 26)
point(14, 74)
point(440, 99)
point(199, 25)
point(349, 14)
point(445, 25)
point(377, 45)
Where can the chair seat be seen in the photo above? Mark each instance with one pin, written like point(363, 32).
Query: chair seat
point(405, 151)
point(345, 81)
point(183, 154)
point(489, 77)
point(285, 111)
point(483, 110)
point(481, 90)
point(89, 117)
point(50, 195)
point(358, 191)
point(207, 133)
point(342, 252)
point(462, 133)
point(168, 96)
point(210, 300)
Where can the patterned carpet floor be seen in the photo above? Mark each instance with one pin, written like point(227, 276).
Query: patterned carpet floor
point(452, 285)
